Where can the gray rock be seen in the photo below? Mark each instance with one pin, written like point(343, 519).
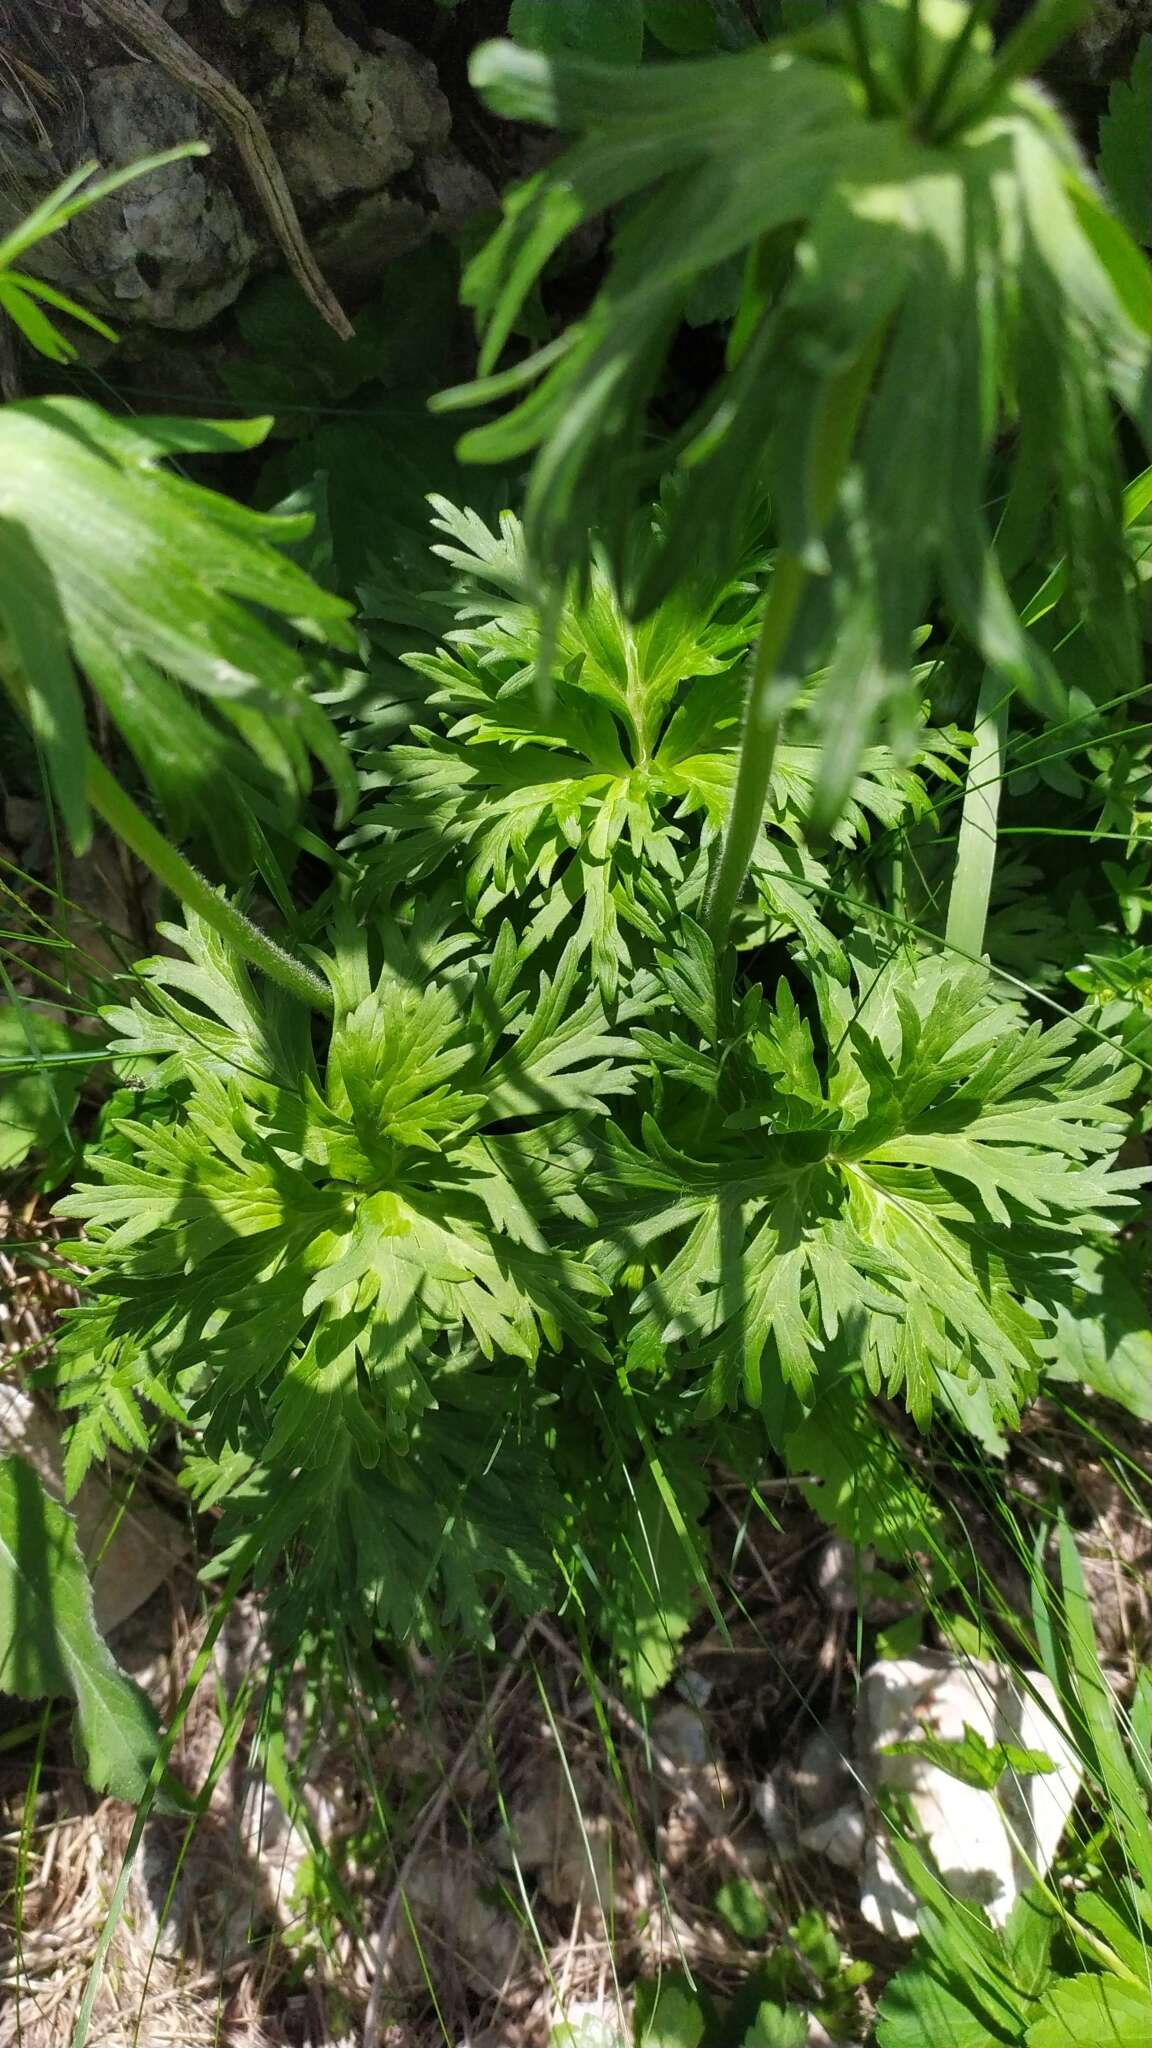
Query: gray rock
point(824, 1773)
point(360, 128)
point(174, 247)
point(347, 120)
point(839, 1567)
point(24, 818)
point(681, 1735)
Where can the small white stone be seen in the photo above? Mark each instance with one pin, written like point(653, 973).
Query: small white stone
point(769, 1809)
point(841, 1837)
point(972, 1835)
point(840, 1571)
point(824, 1772)
point(697, 1689)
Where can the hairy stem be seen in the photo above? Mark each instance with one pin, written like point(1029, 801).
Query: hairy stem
point(112, 803)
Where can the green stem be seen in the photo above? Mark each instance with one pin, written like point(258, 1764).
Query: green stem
point(1040, 31)
point(832, 445)
point(971, 888)
point(912, 51)
point(112, 803)
point(853, 14)
point(937, 100)
point(757, 749)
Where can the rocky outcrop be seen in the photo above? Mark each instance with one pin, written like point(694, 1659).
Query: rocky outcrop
point(355, 116)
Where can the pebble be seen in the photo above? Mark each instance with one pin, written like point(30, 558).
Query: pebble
point(824, 1772)
point(841, 1836)
point(681, 1734)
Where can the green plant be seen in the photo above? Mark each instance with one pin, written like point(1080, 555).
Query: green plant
point(359, 1233)
point(451, 1247)
point(914, 218)
point(897, 1190)
point(1125, 156)
point(41, 1067)
point(599, 809)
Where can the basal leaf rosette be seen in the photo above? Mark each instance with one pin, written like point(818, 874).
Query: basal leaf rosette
point(290, 1246)
point(899, 1181)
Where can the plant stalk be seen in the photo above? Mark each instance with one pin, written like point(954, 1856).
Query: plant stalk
point(971, 889)
point(762, 723)
point(937, 100)
point(111, 802)
point(763, 717)
point(853, 14)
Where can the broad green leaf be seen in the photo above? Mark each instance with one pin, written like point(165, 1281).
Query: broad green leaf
point(923, 2008)
point(1102, 1337)
point(50, 1645)
point(32, 616)
point(1125, 152)
point(932, 230)
point(744, 1908)
point(610, 30)
point(776, 2027)
point(1030, 1930)
point(1130, 1946)
point(668, 2015)
point(865, 1489)
point(1094, 2012)
point(967, 1982)
point(107, 558)
point(688, 27)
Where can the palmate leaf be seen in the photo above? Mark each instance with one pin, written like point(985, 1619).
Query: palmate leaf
point(968, 1984)
point(590, 813)
point(653, 1581)
point(421, 1541)
point(338, 1223)
point(1085, 2008)
point(1125, 160)
point(117, 570)
point(927, 237)
point(903, 1188)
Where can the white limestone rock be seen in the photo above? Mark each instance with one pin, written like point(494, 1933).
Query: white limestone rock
point(975, 1837)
